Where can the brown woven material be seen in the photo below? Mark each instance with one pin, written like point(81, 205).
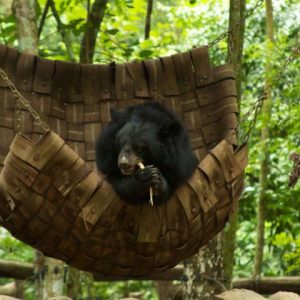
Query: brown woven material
point(50, 195)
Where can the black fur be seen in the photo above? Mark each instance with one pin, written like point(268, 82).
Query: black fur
point(154, 135)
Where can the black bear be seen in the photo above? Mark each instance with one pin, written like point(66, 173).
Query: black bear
point(151, 134)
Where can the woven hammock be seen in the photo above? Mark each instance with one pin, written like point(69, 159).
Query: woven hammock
point(52, 198)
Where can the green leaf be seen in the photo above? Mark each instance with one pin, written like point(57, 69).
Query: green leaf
point(128, 52)
point(112, 31)
point(145, 53)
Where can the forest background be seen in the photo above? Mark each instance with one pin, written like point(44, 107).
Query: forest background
point(176, 26)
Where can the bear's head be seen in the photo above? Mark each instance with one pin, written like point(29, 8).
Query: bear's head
point(143, 138)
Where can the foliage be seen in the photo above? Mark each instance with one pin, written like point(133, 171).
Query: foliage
point(13, 249)
point(283, 203)
point(138, 289)
point(178, 25)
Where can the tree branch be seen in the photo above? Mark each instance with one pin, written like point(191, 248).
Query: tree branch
point(94, 20)
point(8, 289)
point(148, 19)
point(61, 29)
point(16, 270)
point(43, 18)
point(263, 285)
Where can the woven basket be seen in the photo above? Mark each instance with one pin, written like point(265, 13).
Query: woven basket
point(50, 195)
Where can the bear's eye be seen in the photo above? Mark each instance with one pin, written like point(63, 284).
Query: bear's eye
point(141, 147)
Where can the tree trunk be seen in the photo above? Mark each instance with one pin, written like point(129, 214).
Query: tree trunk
point(73, 283)
point(236, 40)
point(6, 7)
point(39, 271)
point(265, 134)
point(24, 12)
point(19, 289)
point(148, 19)
point(49, 280)
point(235, 55)
point(204, 272)
point(49, 277)
point(94, 20)
point(54, 278)
point(166, 290)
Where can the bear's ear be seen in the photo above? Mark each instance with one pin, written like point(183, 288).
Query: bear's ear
point(170, 130)
point(117, 116)
point(113, 114)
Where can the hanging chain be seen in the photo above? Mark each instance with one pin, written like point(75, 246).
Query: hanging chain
point(255, 109)
point(257, 106)
point(295, 173)
point(24, 102)
point(225, 34)
point(18, 114)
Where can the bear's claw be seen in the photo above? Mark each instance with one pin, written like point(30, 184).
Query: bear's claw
point(150, 176)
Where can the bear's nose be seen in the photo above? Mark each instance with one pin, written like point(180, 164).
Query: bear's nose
point(124, 166)
point(126, 169)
